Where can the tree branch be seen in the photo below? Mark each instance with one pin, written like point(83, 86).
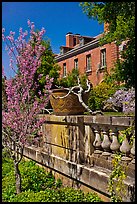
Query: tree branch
point(79, 95)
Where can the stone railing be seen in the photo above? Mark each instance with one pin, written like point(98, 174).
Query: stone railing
point(82, 148)
point(107, 132)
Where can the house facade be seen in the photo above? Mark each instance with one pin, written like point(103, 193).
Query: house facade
point(85, 54)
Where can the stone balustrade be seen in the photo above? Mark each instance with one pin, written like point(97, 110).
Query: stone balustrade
point(78, 138)
point(83, 147)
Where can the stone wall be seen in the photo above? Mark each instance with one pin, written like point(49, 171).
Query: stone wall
point(80, 149)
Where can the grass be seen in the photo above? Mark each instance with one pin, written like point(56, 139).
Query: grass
point(117, 114)
point(114, 114)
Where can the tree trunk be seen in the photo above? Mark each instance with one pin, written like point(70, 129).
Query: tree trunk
point(17, 177)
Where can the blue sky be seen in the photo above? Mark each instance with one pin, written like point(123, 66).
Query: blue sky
point(57, 18)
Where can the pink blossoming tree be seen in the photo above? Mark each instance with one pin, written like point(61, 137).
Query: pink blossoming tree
point(20, 123)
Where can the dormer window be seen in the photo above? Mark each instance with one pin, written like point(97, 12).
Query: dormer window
point(61, 50)
point(81, 41)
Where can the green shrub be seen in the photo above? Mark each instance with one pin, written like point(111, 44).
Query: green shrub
point(92, 197)
point(72, 79)
point(42, 196)
point(35, 178)
point(8, 186)
point(66, 194)
point(26, 196)
point(38, 186)
point(8, 177)
point(7, 167)
point(99, 94)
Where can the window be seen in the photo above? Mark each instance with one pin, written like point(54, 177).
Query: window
point(61, 50)
point(103, 58)
point(122, 47)
point(74, 41)
point(64, 70)
point(76, 64)
point(81, 41)
point(88, 63)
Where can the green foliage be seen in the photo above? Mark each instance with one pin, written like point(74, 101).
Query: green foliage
point(7, 167)
point(99, 94)
point(8, 182)
point(125, 70)
point(121, 19)
point(8, 187)
point(128, 132)
point(71, 195)
point(48, 64)
point(116, 186)
point(65, 194)
point(38, 185)
point(119, 15)
point(35, 178)
point(48, 67)
point(92, 197)
point(7, 163)
point(116, 114)
point(72, 79)
point(8, 177)
point(6, 155)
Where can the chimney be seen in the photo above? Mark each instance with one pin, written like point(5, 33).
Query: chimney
point(72, 39)
point(69, 39)
point(106, 27)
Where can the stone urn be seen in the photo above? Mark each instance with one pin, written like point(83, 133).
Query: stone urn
point(68, 105)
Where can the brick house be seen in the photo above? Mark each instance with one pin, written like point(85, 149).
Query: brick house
point(85, 54)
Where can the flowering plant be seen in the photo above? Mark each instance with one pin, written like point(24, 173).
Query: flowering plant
point(123, 99)
point(19, 119)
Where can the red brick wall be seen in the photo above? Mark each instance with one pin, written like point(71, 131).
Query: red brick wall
point(94, 76)
point(69, 40)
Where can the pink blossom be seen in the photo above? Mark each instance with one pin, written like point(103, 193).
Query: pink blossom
point(20, 119)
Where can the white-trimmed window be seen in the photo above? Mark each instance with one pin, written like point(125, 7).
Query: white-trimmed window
point(88, 63)
point(76, 64)
point(64, 70)
point(103, 58)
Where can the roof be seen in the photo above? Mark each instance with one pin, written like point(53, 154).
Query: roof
point(77, 50)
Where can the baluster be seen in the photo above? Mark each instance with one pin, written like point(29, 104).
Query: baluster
point(133, 150)
point(115, 144)
point(125, 149)
point(97, 142)
point(106, 143)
